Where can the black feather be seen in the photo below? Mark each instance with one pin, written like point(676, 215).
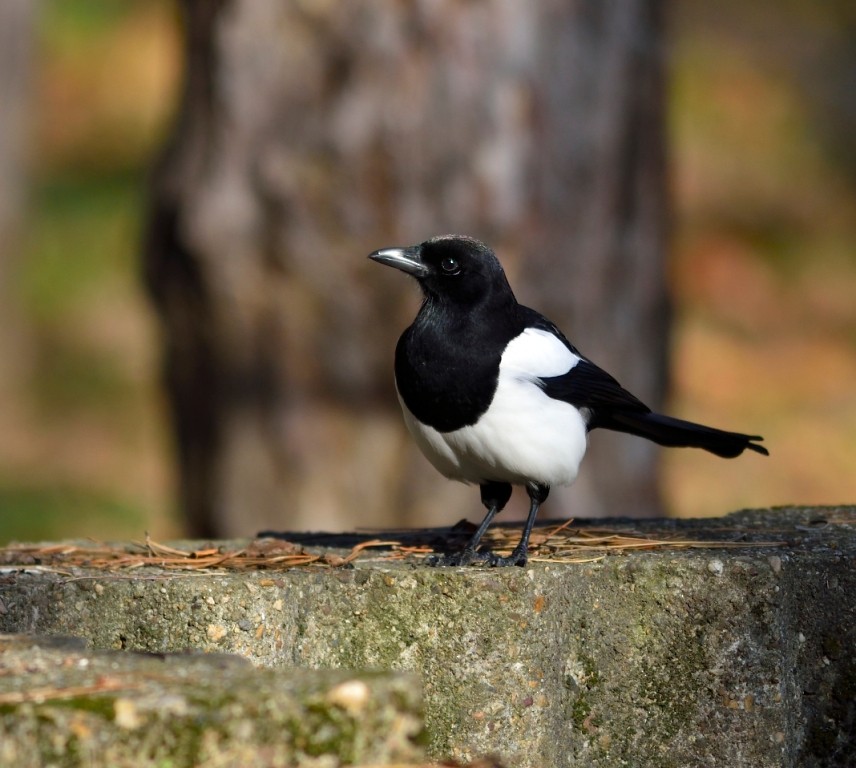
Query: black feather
point(678, 433)
point(610, 406)
point(587, 386)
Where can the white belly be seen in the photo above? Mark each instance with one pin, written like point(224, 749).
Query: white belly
point(525, 436)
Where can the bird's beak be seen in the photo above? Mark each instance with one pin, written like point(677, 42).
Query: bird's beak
point(406, 259)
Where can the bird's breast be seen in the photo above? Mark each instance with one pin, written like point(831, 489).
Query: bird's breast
point(444, 386)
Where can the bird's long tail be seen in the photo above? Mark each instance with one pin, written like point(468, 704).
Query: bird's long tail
point(672, 432)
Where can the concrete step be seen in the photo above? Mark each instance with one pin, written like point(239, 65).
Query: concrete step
point(62, 704)
point(738, 651)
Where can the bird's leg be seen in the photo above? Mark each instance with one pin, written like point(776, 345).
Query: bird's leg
point(494, 496)
point(537, 495)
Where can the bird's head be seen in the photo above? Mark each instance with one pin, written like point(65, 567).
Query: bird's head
point(449, 268)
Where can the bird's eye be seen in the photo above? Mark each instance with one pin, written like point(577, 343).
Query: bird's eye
point(450, 266)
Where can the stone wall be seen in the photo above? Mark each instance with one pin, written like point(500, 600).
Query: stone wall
point(739, 651)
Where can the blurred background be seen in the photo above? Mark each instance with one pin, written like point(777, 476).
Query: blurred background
point(759, 133)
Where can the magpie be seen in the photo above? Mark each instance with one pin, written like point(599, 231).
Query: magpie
point(495, 395)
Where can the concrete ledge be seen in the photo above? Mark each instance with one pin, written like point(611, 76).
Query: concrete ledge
point(668, 657)
point(63, 705)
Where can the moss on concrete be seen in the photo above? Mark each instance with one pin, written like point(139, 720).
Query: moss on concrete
point(71, 707)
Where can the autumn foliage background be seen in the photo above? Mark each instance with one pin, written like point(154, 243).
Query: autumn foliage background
point(763, 265)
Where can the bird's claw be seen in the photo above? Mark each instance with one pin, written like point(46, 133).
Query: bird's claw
point(517, 557)
point(470, 557)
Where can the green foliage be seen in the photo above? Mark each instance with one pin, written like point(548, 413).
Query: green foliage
point(76, 284)
point(80, 19)
point(83, 237)
point(42, 512)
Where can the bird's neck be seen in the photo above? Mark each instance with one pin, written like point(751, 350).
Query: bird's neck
point(492, 313)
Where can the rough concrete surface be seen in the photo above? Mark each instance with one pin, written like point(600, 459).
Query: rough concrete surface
point(63, 705)
point(668, 657)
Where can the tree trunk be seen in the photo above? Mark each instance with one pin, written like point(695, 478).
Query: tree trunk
point(313, 133)
point(600, 264)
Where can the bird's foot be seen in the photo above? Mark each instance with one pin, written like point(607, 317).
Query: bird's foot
point(469, 556)
point(518, 556)
point(466, 556)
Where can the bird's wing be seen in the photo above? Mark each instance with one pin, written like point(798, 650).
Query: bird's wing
point(564, 374)
point(543, 356)
point(587, 386)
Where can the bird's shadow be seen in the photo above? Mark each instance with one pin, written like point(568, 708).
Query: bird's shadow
point(447, 539)
point(440, 539)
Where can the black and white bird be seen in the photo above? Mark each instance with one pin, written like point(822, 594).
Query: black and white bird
point(494, 394)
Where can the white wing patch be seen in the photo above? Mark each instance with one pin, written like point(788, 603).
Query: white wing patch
point(537, 353)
